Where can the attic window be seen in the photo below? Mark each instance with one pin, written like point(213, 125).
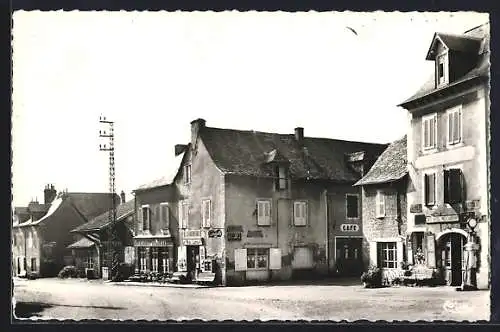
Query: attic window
point(282, 177)
point(442, 75)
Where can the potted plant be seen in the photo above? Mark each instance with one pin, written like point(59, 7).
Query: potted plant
point(372, 278)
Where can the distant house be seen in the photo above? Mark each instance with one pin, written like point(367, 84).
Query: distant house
point(250, 206)
point(90, 251)
point(384, 209)
point(448, 157)
point(39, 244)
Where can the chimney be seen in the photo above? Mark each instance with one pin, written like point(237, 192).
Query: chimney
point(180, 148)
point(122, 196)
point(49, 194)
point(299, 134)
point(196, 126)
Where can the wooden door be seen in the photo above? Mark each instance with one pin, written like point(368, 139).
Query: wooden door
point(348, 256)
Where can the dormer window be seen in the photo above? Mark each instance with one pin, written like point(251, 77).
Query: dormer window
point(282, 177)
point(442, 73)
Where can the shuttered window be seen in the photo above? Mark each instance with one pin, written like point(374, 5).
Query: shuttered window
point(146, 218)
point(429, 131)
point(453, 186)
point(206, 205)
point(282, 178)
point(264, 212)
point(455, 125)
point(300, 213)
point(164, 216)
point(380, 204)
point(351, 202)
point(430, 189)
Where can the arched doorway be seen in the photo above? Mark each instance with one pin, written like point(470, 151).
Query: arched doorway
point(451, 256)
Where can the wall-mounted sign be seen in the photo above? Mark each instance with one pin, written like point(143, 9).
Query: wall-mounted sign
point(349, 227)
point(473, 204)
point(215, 233)
point(443, 219)
point(416, 208)
point(255, 233)
point(192, 233)
point(233, 236)
point(192, 242)
point(151, 242)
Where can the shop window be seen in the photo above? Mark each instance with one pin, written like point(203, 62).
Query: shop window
point(142, 260)
point(257, 258)
point(300, 213)
point(154, 259)
point(206, 206)
point(430, 189)
point(455, 125)
point(453, 186)
point(387, 254)
point(164, 216)
point(146, 218)
point(380, 204)
point(264, 212)
point(33, 264)
point(429, 131)
point(352, 206)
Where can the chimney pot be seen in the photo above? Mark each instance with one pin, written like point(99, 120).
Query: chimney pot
point(122, 197)
point(299, 134)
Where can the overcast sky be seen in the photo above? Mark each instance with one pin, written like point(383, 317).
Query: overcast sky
point(153, 73)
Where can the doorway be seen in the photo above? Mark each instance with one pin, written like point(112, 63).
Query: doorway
point(348, 256)
point(193, 261)
point(452, 258)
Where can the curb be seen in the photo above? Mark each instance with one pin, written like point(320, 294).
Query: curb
point(140, 284)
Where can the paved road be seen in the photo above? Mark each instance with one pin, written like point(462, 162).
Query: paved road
point(82, 299)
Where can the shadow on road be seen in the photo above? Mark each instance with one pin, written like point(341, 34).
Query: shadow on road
point(29, 309)
point(338, 281)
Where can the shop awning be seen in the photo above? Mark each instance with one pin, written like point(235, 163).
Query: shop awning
point(83, 243)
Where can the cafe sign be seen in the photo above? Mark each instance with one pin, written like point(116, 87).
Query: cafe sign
point(349, 227)
point(215, 233)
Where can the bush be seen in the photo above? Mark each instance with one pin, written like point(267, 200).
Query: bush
point(372, 278)
point(69, 271)
point(407, 273)
point(396, 281)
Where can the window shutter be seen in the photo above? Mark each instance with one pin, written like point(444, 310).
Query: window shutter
point(305, 213)
point(376, 253)
point(446, 186)
point(267, 213)
point(431, 253)
point(240, 259)
point(181, 217)
point(455, 185)
point(459, 125)
point(181, 259)
point(166, 218)
point(274, 258)
point(450, 127)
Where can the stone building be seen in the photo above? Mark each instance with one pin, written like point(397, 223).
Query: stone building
point(40, 243)
point(384, 208)
point(91, 250)
point(448, 158)
point(254, 206)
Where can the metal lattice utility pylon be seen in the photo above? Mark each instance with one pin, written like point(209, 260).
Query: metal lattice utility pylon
point(113, 256)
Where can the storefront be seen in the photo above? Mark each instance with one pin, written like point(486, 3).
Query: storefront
point(155, 254)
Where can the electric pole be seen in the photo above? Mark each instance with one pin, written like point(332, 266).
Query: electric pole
point(108, 133)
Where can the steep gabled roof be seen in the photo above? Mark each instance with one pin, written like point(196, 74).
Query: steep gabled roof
point(83, 243)
point(122, 211)
point(165, 180)
point(389, 167)
point(247, 153)
point(459, 43)
point(474, 41)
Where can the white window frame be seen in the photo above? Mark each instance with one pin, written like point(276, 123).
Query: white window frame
point(155, 260)
point(432, 118)
point(300, 206)
point(187, 174)
point(206, 204)
point(446, 73)
point(262, 218)
point(252, 251)
point(357, 207)
point(380, 201)
point(165, 220)
point(146, 221)
point(385, 255)
point(449, 114)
